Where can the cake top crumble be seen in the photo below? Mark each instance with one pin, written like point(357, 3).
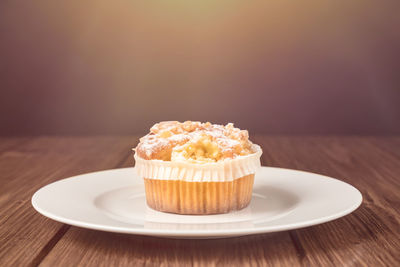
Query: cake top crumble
point(193, 141)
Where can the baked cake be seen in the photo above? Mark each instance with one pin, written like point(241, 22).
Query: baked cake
point(197, 168)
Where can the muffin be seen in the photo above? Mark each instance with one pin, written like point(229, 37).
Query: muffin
point(197, 168)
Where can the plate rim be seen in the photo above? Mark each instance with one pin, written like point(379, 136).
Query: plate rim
point(197, 233)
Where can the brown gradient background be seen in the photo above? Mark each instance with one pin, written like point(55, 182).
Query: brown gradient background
point(278, 67)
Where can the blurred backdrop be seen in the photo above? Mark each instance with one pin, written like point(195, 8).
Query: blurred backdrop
point(278, 67)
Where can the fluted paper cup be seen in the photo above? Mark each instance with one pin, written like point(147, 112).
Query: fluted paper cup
point(199, 188)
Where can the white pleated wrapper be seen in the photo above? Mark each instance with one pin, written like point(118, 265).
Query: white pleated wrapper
point(221, 171)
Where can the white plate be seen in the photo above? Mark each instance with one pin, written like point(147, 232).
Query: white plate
point(114, 201)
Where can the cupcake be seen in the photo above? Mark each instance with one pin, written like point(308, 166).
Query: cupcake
point(197, 168)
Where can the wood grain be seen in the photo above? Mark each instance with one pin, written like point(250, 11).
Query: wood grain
point(368, 237)
point(24, 233)
point(109, 249)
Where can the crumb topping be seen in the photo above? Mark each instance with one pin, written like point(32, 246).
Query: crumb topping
point(193, 141)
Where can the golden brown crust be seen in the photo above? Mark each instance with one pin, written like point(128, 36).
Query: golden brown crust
point(177, 196)
point(195, 141)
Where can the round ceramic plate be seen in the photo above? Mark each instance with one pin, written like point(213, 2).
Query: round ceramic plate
point(114, 200)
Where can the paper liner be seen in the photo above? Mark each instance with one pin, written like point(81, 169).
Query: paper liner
point(221, 171)
point(199, 198)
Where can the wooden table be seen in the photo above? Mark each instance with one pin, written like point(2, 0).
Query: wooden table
point(368, 237)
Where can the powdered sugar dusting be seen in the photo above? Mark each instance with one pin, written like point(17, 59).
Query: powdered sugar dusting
point(170, 137)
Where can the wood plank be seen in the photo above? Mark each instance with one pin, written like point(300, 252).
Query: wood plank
point(81, 247)
point(370, 236)
point(84, 247)
point(26, 236)
point(50, 159)
point(390, 145)
point(7, 143)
